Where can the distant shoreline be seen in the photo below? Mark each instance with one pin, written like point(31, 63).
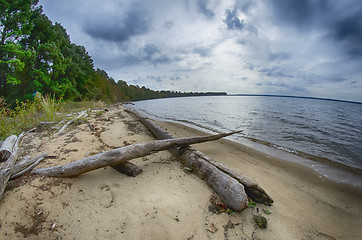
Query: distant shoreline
point(290, 96)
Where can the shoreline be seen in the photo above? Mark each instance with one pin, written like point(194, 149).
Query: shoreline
point(325, 168)
point(298, 168)
point(302, 136)
point(164, 202)
point(331, 169)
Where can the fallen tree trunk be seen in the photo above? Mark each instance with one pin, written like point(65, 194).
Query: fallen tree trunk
point(230, 191)
point(6, 148)
point(252, 189)
point(120, 155)
point(190, 157)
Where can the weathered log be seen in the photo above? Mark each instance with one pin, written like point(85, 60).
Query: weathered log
point(120, 155)
point(128, 168)
point(7, 167)
point(253, 190)
point(230, 191)
point(6, 148)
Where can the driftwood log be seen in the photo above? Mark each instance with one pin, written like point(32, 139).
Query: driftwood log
point(6, 148)
point(202, 164)
point(120, 155)
point(252, 189)
point(6, 169)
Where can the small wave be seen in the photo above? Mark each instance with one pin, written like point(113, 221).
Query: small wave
point(314, 158)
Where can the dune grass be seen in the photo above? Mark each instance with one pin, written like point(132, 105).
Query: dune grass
point(27, 115)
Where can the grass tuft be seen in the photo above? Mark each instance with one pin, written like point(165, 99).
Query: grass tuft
point(27, 115)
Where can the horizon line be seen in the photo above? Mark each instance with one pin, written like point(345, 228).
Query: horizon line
point(291, 96)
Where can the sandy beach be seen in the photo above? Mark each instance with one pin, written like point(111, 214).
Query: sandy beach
point(164, 202)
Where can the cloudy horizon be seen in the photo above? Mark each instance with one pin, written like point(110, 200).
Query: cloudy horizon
point(286, 47)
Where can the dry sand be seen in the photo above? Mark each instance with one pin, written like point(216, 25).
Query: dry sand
point(164, 202)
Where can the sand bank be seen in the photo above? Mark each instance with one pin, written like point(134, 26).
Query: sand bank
point(164, 202)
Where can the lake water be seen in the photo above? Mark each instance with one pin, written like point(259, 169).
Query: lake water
point(318, 130)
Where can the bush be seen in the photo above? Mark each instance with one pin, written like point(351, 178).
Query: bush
point(26, 115)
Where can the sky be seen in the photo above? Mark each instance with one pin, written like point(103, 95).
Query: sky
point(287, 47)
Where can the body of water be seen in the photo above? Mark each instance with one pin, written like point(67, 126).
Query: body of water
point(319, 130)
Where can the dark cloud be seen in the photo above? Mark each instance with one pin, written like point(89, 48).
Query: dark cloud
point(154, 55)
point(202, 7)
point(349, 31)
point(232, 19)
point(302, 13)
point(119, 28)
point(340, 20)
point(147, 54)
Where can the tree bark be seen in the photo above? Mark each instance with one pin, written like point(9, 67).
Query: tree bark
point(120, 155)
point(191, 158)
point(6, 148)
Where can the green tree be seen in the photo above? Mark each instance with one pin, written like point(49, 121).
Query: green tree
point(15, 25)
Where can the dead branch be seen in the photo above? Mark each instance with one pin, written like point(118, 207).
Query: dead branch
point(82, 114)
point(120, 155)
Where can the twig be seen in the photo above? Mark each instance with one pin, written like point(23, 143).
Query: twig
point(82, 114)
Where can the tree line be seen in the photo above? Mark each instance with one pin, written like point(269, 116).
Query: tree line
point(38, 56)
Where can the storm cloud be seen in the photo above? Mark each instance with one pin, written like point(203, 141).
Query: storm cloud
point(232, 19)
point(203, 8)
point(301, 47)
point(118, 28)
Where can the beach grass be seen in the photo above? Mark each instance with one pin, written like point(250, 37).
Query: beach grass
point(27, 115)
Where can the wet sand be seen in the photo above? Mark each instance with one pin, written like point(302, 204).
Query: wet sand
point(164, 202)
